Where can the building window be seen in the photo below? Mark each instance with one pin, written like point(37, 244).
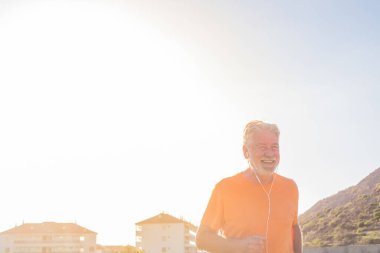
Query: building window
point(81, 238)
point(163, 250)
point(46, 238)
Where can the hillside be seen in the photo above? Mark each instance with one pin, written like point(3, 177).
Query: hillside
point(350, 217)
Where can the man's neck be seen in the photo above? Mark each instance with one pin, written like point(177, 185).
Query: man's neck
point(260, 178)
point(265, 178)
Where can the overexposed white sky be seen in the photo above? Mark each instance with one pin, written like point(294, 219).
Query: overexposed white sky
point(113, 111)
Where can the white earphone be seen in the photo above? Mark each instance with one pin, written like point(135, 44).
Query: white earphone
point(267, 193)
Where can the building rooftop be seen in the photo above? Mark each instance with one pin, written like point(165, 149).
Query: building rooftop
point(48, 228)
point(164, 218)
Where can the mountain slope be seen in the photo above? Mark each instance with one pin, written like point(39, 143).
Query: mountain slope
point(350, 217)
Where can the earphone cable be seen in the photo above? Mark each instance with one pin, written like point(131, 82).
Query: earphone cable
point(267, 193)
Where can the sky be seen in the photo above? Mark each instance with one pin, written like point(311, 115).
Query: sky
point(114, 111)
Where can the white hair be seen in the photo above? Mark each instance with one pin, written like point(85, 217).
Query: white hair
point(257, 126)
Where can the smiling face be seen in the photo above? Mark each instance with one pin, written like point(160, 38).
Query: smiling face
point(262, 151)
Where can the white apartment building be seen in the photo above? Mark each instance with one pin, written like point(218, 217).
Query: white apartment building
point(164, 233)
point(117, 249)
point(48, 237)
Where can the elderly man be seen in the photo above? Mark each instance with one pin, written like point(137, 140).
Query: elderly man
point(256, 210)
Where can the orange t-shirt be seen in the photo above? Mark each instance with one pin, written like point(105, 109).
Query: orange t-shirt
point(238, 208)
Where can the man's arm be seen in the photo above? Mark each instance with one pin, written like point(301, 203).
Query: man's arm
point(209, 240)
point(297, 237)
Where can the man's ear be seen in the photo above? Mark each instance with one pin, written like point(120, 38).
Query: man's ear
point(245, 152)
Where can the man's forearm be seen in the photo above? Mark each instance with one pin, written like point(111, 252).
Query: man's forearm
point(297, 239)
point(212, 242)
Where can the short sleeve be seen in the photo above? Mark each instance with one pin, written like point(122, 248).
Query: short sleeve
point(296, 197)
point(213, 217)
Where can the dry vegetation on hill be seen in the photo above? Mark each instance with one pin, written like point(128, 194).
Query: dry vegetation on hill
point(350, 217)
